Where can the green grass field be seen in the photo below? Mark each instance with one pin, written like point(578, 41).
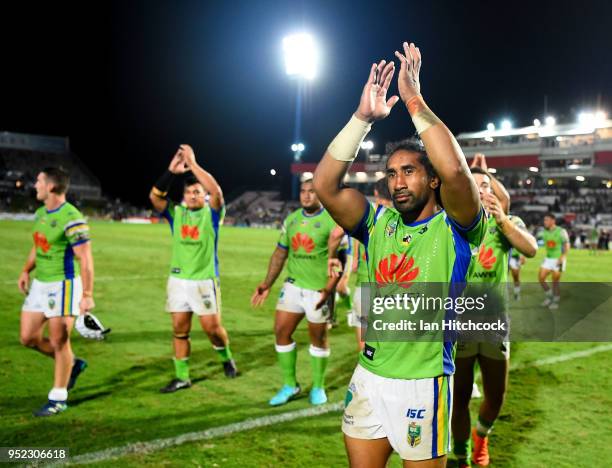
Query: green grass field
point(555, 415)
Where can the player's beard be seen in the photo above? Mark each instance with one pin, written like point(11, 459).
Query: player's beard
point(411, 208)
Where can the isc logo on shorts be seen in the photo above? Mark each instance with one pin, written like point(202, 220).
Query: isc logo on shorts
point(415, 413)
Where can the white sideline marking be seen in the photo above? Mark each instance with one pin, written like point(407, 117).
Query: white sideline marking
point(159, 444)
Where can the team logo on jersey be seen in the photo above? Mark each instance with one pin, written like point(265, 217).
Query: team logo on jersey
point(406, 240)
point(551, 244)
point(304, 222)
point(390, 229)
point(486, 257)
point(317, 225)
point(397, 270)
point(414, 434)
point(302, 240)
point(54, 223)
point(190, 231)
point(424, 229)
point(493, 230)
point(41, 242)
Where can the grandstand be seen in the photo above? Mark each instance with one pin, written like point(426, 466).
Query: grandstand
point(563, 168)
point(257, 208)
point(22, 156)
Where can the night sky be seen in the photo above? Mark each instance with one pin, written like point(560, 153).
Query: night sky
point(129, 81)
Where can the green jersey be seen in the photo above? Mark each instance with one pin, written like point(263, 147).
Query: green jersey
point(490, 264)
point(195, 234)
point(306, 237)
point(55, 234)
point(434, 250)
point(553, 241)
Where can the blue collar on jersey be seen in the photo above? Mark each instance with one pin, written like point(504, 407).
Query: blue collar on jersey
point(55, 210)
point(312, 215)
point(423, 221)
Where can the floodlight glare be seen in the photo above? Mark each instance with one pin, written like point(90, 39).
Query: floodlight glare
point(294, 147)
point(300, 147)
point(506, 125)
point(490, 126)
point(550, 120)
point(580, 178)
point(301, 56)
point(367, 145)
point(536, 122)
point(533, 169)
point(272, 171)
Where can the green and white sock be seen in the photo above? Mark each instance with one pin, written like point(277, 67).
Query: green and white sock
point(318, 359)
point(181, 368)
point(224, 352)
point(287, 357)
point(483, 428)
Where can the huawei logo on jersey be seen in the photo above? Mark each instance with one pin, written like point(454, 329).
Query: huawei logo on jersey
point(41, 242)
point(551, 244)
point(190, 231)
point(302, 240)
point(397, 270)
point(486, 257)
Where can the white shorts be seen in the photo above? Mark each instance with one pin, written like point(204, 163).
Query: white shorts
point(302, 301)
point(54, 298)
point(499, 351)
point(202, 297)
point(515, 263)
point(551, 264)
point(414, 415)
point(356, 316)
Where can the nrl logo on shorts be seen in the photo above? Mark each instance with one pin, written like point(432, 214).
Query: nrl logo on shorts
point(207, 304)
point(414, 434)
point(390, 229)
point(51, 303)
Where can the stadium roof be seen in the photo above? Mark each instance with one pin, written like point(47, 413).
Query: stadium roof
point(541, 131)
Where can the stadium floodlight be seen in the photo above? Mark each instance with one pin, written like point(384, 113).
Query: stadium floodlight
point(534, 169)
point(536, 122)
point(298, 147)
point(573, 166)
point(273, 172)
point(489, 139)
point(609, 184)
point(361, 176)
point(586, 118)
point(301, 55)
point(600, 117)
point(491, 127)
point(550, 121)
point(550, 181)
point(367, 145)
point(528, 181)
point(492, 170)
point(506, 124)
point(580, 178)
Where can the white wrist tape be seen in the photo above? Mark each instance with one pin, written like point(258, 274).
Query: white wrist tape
point(346, 144)
point(422, 116)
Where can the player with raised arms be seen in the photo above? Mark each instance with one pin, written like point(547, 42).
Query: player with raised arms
point(63, 287)
point(193, 285)
point(304, 244)
point(399, 397)
point(490, 270)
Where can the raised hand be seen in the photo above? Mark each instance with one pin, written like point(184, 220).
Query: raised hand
point(494, 207)
point(188, 155)
point(374, 104)
point(177, 165)
point(479, 161)
point(408, 77)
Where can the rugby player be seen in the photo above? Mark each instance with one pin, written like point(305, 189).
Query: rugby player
point(303, 244)
point(490, 266)
point(193, 284)
point(63, 287)
point(557, 245)
point(399, 397)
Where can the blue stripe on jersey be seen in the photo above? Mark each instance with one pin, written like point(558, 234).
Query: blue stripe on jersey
point(434, 426)
point(216, 220)
point(168, 216)
point(361, 230)
point(282, 246)
point(68, 262)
